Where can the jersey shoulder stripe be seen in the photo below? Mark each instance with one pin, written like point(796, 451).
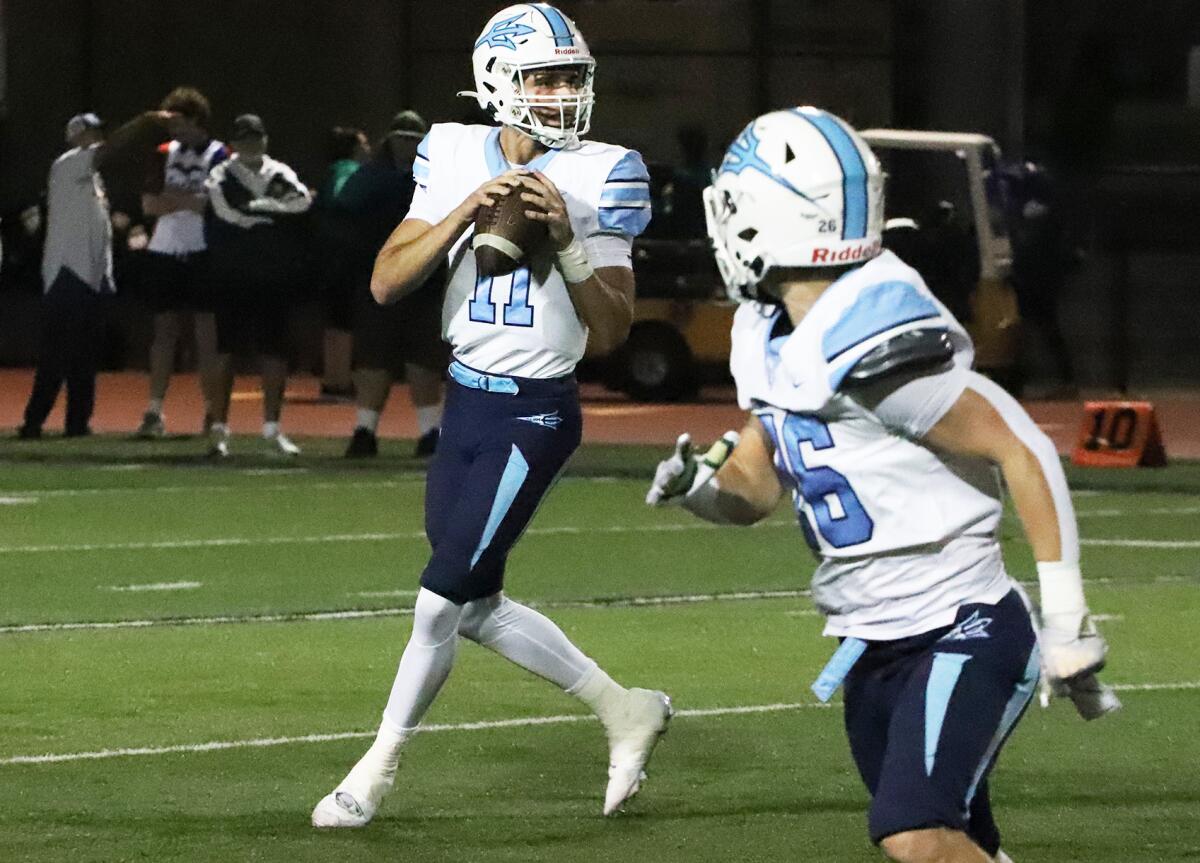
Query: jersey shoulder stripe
point(625, 197)
point(877, 309)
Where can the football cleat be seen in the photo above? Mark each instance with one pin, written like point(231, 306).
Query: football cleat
point(218, 441)
point(356, 799)
point(632, 736)
point(152, 426)
point(363, 444)
point(341, 809)
point(280, 443)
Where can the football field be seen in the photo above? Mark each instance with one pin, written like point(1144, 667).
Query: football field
point(192, 655)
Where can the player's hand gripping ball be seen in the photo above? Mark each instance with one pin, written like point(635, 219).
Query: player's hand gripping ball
point(504, 236)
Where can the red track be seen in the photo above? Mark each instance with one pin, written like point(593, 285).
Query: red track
point(609, 417)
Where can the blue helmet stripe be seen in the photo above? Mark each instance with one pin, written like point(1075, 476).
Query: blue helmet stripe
point(854, 173)
point(559, 27)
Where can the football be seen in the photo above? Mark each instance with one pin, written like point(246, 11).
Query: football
point(504, 236)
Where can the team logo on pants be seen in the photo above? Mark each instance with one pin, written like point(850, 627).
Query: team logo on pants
point(973, 627)
point(549, 420)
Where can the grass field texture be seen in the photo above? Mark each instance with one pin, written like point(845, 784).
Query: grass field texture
point(192, 655)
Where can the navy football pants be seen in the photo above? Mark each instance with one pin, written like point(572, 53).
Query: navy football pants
point(926, 717)
point(497, 456)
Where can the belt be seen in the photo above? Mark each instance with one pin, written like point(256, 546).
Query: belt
point(838, 667)
point(468, 377)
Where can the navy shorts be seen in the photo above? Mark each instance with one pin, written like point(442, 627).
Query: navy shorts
point(926, 717)
point(498, 454)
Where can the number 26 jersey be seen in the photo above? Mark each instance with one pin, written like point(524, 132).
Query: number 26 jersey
point(905, 534)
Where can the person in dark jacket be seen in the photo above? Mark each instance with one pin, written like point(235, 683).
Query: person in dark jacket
point(255, 245)
point(407, 336)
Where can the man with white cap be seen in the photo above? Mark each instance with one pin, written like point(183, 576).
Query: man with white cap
point(77, 267)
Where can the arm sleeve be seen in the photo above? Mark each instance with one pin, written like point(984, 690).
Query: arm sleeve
point(625, 199)
point(222, 208)
point(1023, 426)
point(297, 199)
point(609, 250)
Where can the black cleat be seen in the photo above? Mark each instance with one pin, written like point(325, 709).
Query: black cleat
point(29, 433)
point(363, 444)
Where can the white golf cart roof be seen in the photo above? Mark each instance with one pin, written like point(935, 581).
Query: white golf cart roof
point(911, 139)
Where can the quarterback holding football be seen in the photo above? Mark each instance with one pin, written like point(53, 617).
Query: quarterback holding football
point(517, 329)
point(863, 406)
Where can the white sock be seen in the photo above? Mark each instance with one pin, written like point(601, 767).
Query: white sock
point(270, 430)
point(534, 642)
point(374, 773)
point(219, 430)
point(426, 662)
point(155, 407)
point(367, 419)
point(600, 692)
point(429, 418)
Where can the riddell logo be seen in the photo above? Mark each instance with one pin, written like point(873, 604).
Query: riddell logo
point(566, 50)
point(850, 253)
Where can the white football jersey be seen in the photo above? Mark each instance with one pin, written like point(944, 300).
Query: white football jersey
point(185, 170)
point(905, 535)
point(524, 324)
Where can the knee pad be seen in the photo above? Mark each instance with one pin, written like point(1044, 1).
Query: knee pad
point(435, 619)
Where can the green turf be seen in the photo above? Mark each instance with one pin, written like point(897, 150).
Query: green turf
point(263, 539)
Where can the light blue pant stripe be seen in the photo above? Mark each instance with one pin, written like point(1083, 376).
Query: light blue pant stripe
point(510, 483)
point(1008, 719)
point(943, 677)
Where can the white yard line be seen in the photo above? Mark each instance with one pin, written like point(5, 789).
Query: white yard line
point(230, 541)
point(156, 586)
point(1120, 513)
point(1142, 543)
point(361, 614)
point(487, 725)
point(17, 501)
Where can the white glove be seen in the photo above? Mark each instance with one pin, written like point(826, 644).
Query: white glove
point(673, 477)
point(1071, 646)
point(676, 477)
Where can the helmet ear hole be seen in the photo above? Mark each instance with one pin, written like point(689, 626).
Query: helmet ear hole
point(748, 234)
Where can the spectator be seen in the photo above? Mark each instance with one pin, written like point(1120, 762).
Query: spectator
point(406, 334)
point(77, 268)
point(175, 276)
point(1042, 260)
point(348, 149)
point(688, 182)
point(253, 229)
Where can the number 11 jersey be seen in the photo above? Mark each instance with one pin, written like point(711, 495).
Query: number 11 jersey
point(524, 324)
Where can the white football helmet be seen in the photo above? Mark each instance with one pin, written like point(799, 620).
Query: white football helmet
point(797, 188)
point(532, 36)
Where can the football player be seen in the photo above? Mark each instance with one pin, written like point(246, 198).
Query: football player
point(865, 408)
point(512, 416)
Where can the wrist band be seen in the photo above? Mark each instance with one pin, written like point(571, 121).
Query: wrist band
point(573, 263)
point(1061, 587)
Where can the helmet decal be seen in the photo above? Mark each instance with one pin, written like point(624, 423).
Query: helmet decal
point(518, 40)
point(854, 172)
point(502, 33)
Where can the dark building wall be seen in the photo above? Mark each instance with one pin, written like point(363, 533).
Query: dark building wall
point(307, 66)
